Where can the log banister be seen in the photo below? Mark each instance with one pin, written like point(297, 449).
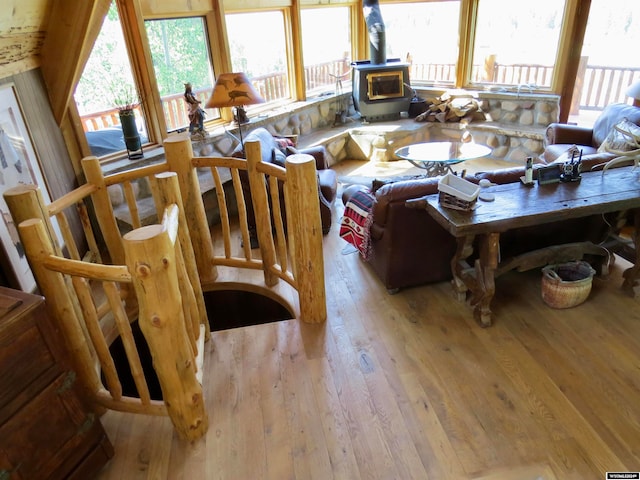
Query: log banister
point(103, 209)
point(179, 153)
point(38, 247)
point(261, 210)
point(305, 232)
point(168, 193)
point(151, 259)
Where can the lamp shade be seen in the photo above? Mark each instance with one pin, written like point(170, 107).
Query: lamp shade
point(233, 90)
point(634, 90)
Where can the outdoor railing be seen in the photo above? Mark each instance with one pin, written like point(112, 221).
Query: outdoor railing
point(596, 86)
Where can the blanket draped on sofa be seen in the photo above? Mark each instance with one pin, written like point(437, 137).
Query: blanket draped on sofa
point(356, 222)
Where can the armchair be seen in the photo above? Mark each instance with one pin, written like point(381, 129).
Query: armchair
point(272, 153)
point(560, 137)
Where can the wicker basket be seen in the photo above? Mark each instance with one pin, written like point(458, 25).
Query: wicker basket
point(451, 201)
point(566, 285)
point(457, 193)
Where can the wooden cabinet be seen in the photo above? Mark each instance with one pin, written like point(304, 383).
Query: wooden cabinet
point(46, 429)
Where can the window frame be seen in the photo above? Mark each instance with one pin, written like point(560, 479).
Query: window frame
point(132, 18)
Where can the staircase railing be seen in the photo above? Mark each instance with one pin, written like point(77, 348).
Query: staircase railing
point(155, 274)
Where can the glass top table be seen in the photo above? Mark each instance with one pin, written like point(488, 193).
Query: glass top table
point(438, 157)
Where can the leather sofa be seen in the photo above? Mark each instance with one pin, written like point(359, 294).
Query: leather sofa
point(408, 247)
point(560, 137)
point(276, 152)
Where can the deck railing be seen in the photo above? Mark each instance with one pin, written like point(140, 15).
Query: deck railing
point(596, 85)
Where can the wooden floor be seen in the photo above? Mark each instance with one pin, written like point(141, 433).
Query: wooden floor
point(408, 386)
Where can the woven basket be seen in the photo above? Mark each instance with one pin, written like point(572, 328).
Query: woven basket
point(452, 201)
point(566, 285)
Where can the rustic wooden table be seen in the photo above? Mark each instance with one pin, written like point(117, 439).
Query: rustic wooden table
point(517, 206)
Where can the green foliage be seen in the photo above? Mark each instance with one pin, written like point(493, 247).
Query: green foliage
point(179, 52)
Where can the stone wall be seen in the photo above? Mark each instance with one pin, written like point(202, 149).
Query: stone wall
point(516, 124)
point(514, 130)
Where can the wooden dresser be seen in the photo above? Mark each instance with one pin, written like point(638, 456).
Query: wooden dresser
point(46, 429)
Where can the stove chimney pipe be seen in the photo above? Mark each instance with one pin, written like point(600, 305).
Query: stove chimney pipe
point(377, 35)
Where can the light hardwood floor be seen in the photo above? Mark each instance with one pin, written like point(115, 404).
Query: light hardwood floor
point(408, 386)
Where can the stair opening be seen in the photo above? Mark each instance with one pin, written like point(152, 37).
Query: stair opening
point(239, 308)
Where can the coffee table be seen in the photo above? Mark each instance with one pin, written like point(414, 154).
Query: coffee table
point(517, 206)
point(437, 158)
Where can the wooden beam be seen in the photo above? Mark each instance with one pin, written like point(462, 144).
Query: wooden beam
point(569, 52)
point(72, 30)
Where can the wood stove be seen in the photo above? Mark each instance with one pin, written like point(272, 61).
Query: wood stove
point(380, 91)
point(380, 87)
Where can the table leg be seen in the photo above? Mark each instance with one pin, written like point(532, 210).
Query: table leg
point(433, 169)
point(631, 274)
point(459, 266)
point(484, 285)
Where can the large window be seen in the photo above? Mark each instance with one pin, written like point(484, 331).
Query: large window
point(180, 55)
point(107, 85)
point(326, 48)
point(425, 35)
point(258, 47)
point(607, 66)
point(516, 43)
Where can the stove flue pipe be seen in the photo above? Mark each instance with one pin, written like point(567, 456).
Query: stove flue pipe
point(377, 35)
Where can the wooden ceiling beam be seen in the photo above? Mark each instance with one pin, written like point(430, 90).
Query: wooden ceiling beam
point(71, 32)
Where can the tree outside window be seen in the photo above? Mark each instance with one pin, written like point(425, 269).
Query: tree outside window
point(106, 82)
point(180, 55)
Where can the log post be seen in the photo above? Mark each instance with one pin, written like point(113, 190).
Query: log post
point(262, 212)
point(179, 152)
point(305, 232)
point(54, 288)
point(104, 210)
point(168, 194)
point(150, 257)
point(25, 202)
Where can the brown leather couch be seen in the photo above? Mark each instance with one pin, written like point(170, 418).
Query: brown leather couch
point(409, 248)
point(273, 152)
point(559, 137)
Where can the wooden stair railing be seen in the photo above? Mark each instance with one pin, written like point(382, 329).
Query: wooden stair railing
point(74, 291)
point(296, 257)
point(156, 273)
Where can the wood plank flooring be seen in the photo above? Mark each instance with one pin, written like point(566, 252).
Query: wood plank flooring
point(408, 386)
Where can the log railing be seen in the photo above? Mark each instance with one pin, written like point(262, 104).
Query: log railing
point(295, 258)
point(154, 274)
point(94, 303)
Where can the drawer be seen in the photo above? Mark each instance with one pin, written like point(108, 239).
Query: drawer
point(50, 434)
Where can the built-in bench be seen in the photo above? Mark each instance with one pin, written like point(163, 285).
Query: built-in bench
point(514, 129)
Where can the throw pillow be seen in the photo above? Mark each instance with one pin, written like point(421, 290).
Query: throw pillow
point(291, 150)
point(623, 137)
point(277, 157)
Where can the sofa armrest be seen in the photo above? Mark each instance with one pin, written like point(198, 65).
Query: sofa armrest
point(562, 133)
point(401, 192)
point(319, 153)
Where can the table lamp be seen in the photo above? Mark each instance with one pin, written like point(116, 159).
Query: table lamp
point(634, 92)
point(234, 90)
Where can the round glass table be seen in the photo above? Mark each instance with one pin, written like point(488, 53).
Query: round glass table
point(437, 158)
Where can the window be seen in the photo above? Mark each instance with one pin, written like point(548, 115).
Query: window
point(107, 83)
point(426, 36)
point(262, 57)
point(607, 67)
point(326, 47)
point(517, 42)
point(180, 55)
